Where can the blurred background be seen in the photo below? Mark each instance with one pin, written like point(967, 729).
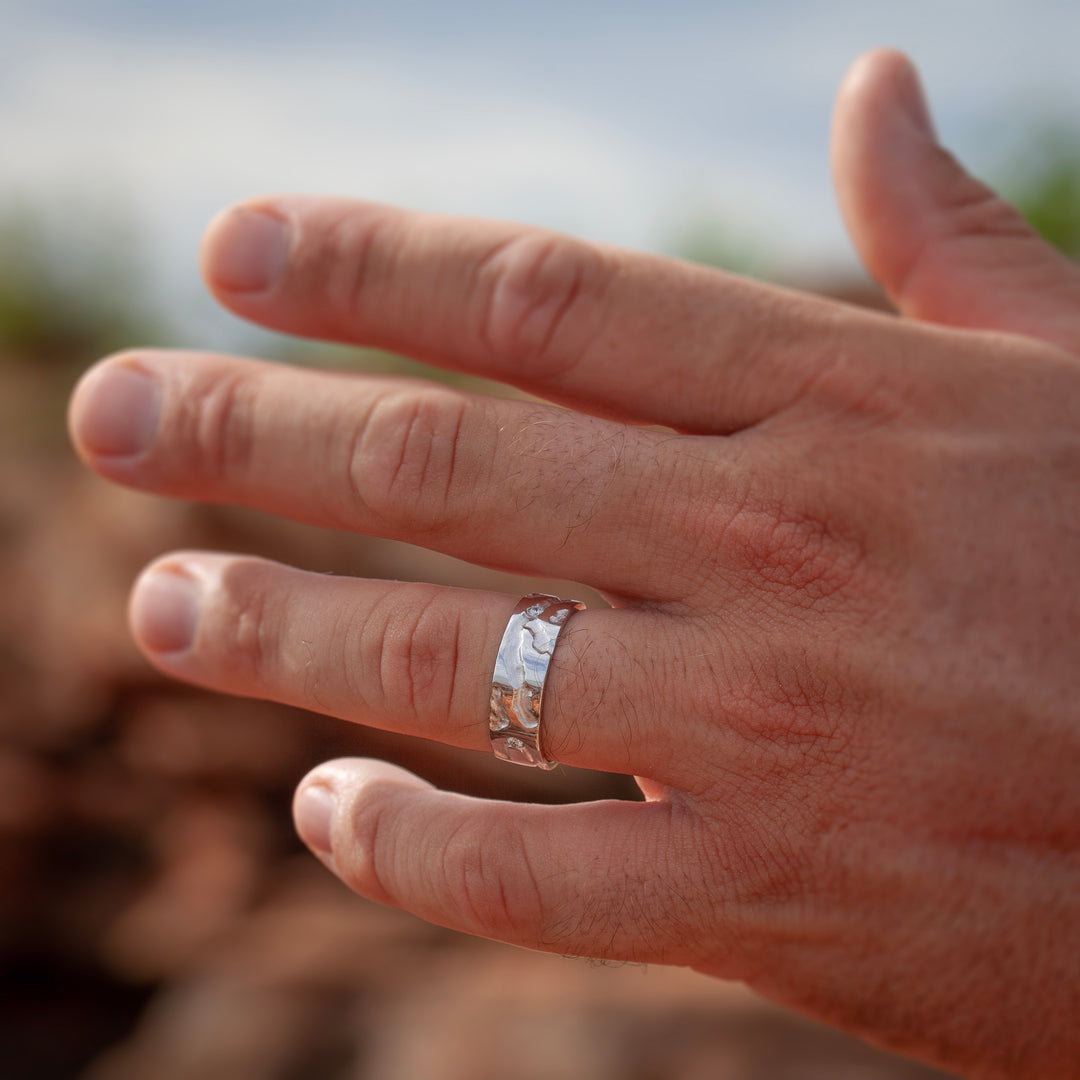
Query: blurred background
point(157, 916)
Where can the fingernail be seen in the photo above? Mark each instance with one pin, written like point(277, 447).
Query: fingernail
point(117, 411)
point(912, 98)
point(246, 250)
point(315, 817)
point(165, 609)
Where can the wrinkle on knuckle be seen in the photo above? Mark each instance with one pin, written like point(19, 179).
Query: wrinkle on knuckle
point(491, 881)
point(350, 632)
point(866, 386)
point(536, 297)
point(977, 210)
point(791, 724)
point(851, 387)
point(771, 872)
point(369, 860)
point(806, 560)
point(788, 711)
point(763, 861)
point(415, 644)
point(403, 462)
point(795, 704)
point(249, 644)
point(217, 426)
point(364, 667)
point(974, 213)
point(344, 265)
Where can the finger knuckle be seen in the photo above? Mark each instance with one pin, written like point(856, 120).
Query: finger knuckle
point(217, 426)
point(415, 645)
point(772, 872)
point(794, 705)
point(771, 849)
point(491, 882)
point(801, 558)
point(403, 464)
point(537, 301)
point(847, 387)
point(801, 555)
point(245, 640)
point(977, 210)
point(356, 250)
point(370, 862)
point(974, 213)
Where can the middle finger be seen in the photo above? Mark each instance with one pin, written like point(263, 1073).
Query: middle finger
point(510, 484)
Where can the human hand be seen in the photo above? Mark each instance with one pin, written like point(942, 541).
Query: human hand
point(841, 653)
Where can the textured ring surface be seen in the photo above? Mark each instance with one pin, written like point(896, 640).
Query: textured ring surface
point(517, 686)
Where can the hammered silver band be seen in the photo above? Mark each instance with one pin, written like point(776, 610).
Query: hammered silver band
point(517, 686)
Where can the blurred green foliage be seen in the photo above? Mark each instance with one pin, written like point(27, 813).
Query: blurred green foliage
point(1046, 188)
point(72, 288)
point(71, 284)
point(710, 239)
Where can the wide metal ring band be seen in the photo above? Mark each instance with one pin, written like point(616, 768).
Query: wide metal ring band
point(517, 686)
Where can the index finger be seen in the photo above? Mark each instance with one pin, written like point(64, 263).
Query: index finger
point(637, 337)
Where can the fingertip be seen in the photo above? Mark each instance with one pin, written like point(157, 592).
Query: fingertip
point(881, 65)
point(115, 409)
point(314, 808)
point(873, 62)
point(880, 87)
point(334, 800)
point(165, 607)
point(885, 153)
point(246, 248)
point(910, 93)
point(354, 779)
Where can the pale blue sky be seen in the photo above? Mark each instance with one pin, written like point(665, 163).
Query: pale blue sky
point(620, 121)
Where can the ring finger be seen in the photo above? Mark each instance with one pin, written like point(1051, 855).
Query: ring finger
point(416, 659)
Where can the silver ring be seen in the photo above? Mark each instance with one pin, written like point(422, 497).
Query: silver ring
point(517, 686)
